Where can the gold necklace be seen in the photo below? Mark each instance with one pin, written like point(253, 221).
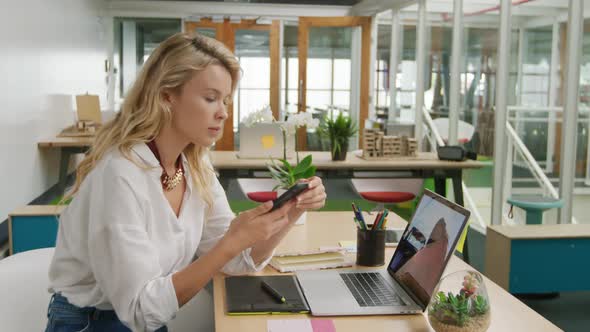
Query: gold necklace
point(168, 182)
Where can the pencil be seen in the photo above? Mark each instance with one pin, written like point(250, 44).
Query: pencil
point(376, 220)
point(382, 221)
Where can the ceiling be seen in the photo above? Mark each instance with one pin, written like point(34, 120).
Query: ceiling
point(291, 2)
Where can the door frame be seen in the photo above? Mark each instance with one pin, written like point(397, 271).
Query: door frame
point(305, 23)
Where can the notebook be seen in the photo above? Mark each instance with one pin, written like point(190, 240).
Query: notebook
point(244, 295)
point(311, 260)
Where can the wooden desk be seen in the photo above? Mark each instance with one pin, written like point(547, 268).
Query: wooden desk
point(424, 165)
point(323, 161)
point(227, 163)
point(67, 142)
point(67, 146)
point(326, 229)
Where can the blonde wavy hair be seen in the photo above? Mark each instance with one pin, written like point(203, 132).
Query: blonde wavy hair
point(144, 113)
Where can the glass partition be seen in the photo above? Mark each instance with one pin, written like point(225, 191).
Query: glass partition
point(253, 93)
point(328, 76)
point(135, 39)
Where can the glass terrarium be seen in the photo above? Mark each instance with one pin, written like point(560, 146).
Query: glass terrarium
point(460, 303)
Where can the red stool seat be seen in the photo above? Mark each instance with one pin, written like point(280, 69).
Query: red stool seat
point(262, 196)
point(387, 196)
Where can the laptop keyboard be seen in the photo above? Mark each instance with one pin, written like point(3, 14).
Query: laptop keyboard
point(370, 290)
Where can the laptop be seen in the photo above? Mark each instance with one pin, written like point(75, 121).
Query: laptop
point(407, 284)
point(263, 140)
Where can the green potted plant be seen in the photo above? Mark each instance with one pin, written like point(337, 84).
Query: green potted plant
point(287, 175)
point(338, 130)
point(281, 170)
point(468, 310)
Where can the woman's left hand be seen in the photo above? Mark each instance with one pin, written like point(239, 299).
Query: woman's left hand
point(314, 197)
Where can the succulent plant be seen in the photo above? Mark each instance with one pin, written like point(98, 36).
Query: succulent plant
point(450, 308)
point(480, 305)
point(458, 308)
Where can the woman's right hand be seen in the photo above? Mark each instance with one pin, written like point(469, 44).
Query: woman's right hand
point(257, 224)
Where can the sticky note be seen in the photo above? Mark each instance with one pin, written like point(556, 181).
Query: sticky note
point(323, 325)
point(268, 141)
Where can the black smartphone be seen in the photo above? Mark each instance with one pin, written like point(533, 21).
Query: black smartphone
point(288, 195)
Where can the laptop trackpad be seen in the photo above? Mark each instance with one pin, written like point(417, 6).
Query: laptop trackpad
point(326, 292)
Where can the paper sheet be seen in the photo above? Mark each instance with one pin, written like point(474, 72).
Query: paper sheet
point(300, 325)
point(289, 325)
point(350, 246)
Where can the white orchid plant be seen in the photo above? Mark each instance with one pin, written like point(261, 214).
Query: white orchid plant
point(281, 170)
point(263, 115)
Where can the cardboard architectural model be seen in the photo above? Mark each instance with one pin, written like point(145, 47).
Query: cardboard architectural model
point(376, 145)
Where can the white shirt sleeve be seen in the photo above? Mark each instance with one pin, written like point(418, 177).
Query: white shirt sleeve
point(123, 259)
point(219, 218)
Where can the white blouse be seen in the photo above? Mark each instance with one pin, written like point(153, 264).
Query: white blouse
point(119, 241)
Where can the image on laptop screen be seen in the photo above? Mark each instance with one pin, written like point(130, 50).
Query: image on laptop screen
point(425, 247)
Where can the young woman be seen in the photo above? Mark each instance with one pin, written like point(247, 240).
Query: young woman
point(146, 202)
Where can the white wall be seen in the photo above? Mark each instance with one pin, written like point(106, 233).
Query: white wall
point(49, 51)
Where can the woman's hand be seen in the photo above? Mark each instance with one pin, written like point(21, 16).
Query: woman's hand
point(257, 225)
point(314, 197)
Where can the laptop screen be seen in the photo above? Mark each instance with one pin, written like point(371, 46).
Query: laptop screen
point(426, 245)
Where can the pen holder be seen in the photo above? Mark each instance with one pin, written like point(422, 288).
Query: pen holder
point(370, 247)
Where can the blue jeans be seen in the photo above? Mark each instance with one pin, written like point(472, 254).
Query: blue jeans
point(65, 317)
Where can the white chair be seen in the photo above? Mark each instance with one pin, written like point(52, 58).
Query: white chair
point(196, 315)
point(464, 131)
point(387, 191)
point(24, 297)
point(258, 190)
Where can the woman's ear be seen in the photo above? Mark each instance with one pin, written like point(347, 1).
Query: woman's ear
point(167, 97)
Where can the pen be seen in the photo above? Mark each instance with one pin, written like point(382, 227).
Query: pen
point(273, 292)
point(362, 219)
point(358, 217)
point(356, 222)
